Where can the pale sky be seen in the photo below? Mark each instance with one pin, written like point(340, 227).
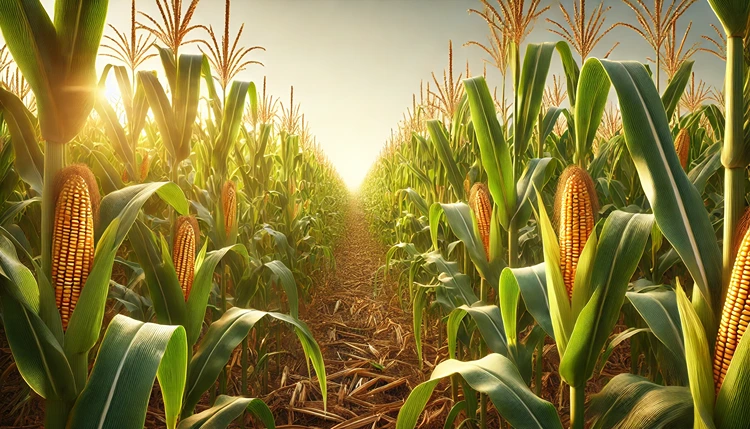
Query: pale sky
point(354, 64)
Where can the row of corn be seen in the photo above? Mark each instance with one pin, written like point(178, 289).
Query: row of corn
point(532, 305)
point(155, 232)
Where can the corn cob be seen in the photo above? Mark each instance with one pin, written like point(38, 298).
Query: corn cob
point(576, 206)
point(145, 162)
point(682, 147)
point(736, 314)
point(76, 209)
point(183, 252)
point(742, 226)
point(229, 205)
point(479, 201)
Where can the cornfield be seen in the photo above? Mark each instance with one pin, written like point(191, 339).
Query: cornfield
point(546, 257)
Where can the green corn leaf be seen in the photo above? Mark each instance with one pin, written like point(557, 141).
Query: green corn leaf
point(225, 410)
point(116, 134)
point(124, 204)
point(494, 375)
point(230, 123)
point(557, 295)
point(618, 252)
point(439, 139)
point(582, 285)
point(208, 79)
point(221, 339)
point(161, 279)
point(417, 199)
point(29, 161)
point(658, 308)
point(677, 205)
point(461, 223)
point(57, 59)
point(532, 282)
point(733, 15)
point(508, 294)
point(162, 110)
point(628, 400)
point(118, 212)
point(675, 89)
point(591, 97)
point(494, 149)
point(700, 371)
point(204, 273)
point(285, 276)
point(38, 355)
point(131, 356)
point(537, 173)
point(572, 71)
point(529, 94)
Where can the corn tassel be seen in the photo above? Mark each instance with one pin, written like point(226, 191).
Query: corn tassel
point(576, 206)
point(76, 209)
point(479, 201)
point(229, 205)
point(183, 252)
point(736, 314)
point(682, 147)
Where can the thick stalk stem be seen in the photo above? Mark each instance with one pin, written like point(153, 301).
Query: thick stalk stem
point(732, 156)
point(512, 246)
point(539, 367)
point(56, 414)
point(54, 161)
point(577, 400)
point(483, 410)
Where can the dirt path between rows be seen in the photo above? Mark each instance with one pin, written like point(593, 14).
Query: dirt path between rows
point(366, 339)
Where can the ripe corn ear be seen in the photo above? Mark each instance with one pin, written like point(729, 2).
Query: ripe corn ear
point(479, 202)
point(682, 147)
point(76, 209)
point(736, 313)
point(743, 224)
point(229, 205)
point(576, 206)
point(183, 252)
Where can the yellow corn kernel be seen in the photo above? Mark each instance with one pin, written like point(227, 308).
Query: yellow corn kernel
point(479, 202)
point(736, 313)
point(145, 163)
point(76, 208)
point(183, 251)
point(229, 205)
point(576, 206)
point(682, 147)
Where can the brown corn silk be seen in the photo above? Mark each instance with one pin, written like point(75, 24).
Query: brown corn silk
point(229, 205)
point(736, 313)
point(76, 209)
point(183, 252)
point(479, 202)
point(576, 206)
point(682, 147)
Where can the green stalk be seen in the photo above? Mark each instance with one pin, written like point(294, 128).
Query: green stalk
point(483, 411)
point(244, 359)
point(577, 400)
point(732, 154)
point(56, 413)
point(539, 366)
point(512, 246)
point(54, 161)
